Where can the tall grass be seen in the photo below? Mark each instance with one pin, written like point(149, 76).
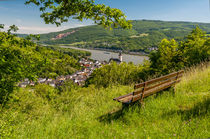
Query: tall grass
point(91, 113)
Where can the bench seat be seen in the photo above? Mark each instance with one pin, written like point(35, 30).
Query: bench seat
point(150, 87)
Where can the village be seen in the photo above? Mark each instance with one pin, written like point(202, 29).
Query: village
point(79, 77)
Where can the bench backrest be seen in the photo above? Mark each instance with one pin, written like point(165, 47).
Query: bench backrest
point(155, 85)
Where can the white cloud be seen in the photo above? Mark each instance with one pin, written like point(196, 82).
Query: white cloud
point(41, 30)
point(18, 20)
point(5, 28)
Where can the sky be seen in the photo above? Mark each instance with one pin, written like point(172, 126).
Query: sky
point(27, 17)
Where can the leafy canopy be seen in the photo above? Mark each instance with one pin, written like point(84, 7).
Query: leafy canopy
point(59, 11)
point(174, 56)
point(12, 28)
point(22, 58)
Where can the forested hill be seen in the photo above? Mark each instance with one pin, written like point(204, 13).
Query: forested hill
point(145, 34)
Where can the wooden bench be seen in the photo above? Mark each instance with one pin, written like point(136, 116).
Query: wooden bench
point(150, 87)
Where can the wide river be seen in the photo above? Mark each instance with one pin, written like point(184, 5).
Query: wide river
point(105, 55)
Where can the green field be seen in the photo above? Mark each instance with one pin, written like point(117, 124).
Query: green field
point(91, 113)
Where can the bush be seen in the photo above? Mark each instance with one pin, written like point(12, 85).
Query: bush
point(68, 86)
point(167, 58)
point(45, 91)
point(115, 74)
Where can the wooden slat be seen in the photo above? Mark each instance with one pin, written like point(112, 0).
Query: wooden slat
point(126, 99)
point(181, 71)
point(158, 79)
point(162, 87)
point(155, 80)
point(154, 90)
point(162, 78)
point(159, 84)
point(118, 98)
point(163, 82)
point(180, 75)
point(177, 81)
point(136, 92)
point(137, 97)
point(139, 85)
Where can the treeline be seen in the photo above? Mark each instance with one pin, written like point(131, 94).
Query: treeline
point(173, 55)
point(77, 54)
point(170, 56)
point(134, 43)
point(21, 58)
point(144, 34)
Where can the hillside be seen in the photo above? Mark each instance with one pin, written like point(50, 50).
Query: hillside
point(91, 113)
point(145, 34)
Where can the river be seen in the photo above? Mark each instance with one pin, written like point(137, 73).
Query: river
point(105, 55)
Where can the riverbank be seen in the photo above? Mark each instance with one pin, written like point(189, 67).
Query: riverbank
point(106, 56)
point(109, 50)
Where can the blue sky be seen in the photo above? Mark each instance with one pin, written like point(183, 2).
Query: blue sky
point(27, 17)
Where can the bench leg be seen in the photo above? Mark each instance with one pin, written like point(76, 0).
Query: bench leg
point(125, 105)
point(172, 89)
point(142, 104)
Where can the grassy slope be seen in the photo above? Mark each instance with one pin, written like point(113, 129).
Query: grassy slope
point(92, 33)
point(95, 36)
point(84, 113)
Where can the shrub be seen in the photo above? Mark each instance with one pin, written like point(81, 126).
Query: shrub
point(115, 74)
point(68, 86)
point(45, 91)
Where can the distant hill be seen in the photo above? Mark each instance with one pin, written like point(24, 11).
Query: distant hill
point(21, 35)
point(145, 35)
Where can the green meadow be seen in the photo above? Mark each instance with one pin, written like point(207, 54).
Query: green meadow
point(44, 112)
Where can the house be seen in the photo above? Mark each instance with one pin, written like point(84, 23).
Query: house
point(26, 80)
point(79, 79)
point(41, 80)
point(153, 48)
point(61, 78)
point(87, 65)
point(23, 84)
point(52, 83)
point(32, 83)
point(68, 77)
point(49, 80)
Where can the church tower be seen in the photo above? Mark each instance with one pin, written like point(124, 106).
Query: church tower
point(120, 56)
